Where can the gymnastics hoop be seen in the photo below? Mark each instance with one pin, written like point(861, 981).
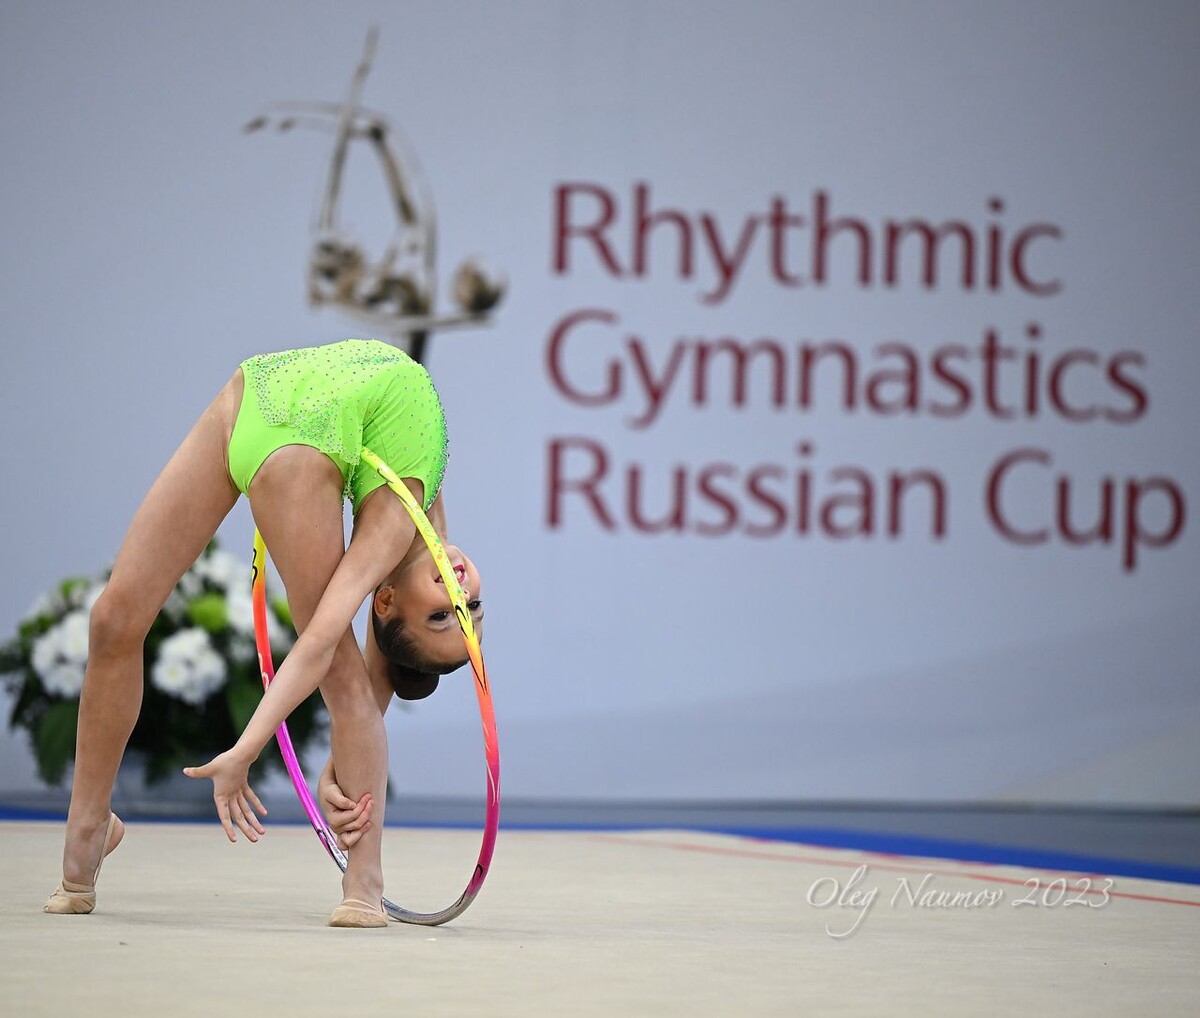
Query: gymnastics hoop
point(482, 692)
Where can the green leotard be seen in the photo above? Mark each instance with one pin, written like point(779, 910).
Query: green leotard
point(338, 398)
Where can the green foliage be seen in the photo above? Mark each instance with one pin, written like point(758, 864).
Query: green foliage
point(11, 657)
point(242, 696)
point(170, 732)
point(208, 611)
point(54, 740)
point(283, 611)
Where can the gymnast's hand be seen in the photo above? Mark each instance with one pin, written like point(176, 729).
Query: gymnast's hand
point(232, 793)
point(348, 819)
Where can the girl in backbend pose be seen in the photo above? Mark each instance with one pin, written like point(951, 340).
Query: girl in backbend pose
point(287, 431)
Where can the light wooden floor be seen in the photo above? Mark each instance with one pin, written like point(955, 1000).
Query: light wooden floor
point(578, 923)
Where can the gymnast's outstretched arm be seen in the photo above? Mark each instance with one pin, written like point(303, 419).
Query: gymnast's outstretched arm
point(382, 534)
point(347, 818)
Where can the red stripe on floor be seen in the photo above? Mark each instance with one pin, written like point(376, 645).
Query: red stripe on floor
point(739, 853)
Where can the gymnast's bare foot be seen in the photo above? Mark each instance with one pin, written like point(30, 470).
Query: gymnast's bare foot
point(85, 843)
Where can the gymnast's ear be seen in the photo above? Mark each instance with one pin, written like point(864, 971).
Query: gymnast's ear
point(381, 603)
point(410, 684)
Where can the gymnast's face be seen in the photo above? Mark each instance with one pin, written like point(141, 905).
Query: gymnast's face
point(416, 595)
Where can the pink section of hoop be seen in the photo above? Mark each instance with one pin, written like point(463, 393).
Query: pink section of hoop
point(311, 808)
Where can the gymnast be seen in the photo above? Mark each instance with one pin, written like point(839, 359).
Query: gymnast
point(287, 431)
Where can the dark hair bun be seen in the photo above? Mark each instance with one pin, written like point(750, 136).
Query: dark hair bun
point(410, 684)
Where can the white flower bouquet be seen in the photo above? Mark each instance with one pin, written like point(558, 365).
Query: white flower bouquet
point(201, 679)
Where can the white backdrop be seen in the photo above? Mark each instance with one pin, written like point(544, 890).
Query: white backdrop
point(745, 651)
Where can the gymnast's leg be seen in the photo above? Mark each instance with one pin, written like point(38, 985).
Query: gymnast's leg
point(175, 521)
point(297, 502)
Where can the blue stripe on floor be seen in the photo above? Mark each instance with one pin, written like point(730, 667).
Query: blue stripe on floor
point(971, 851)
point(865, 841)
